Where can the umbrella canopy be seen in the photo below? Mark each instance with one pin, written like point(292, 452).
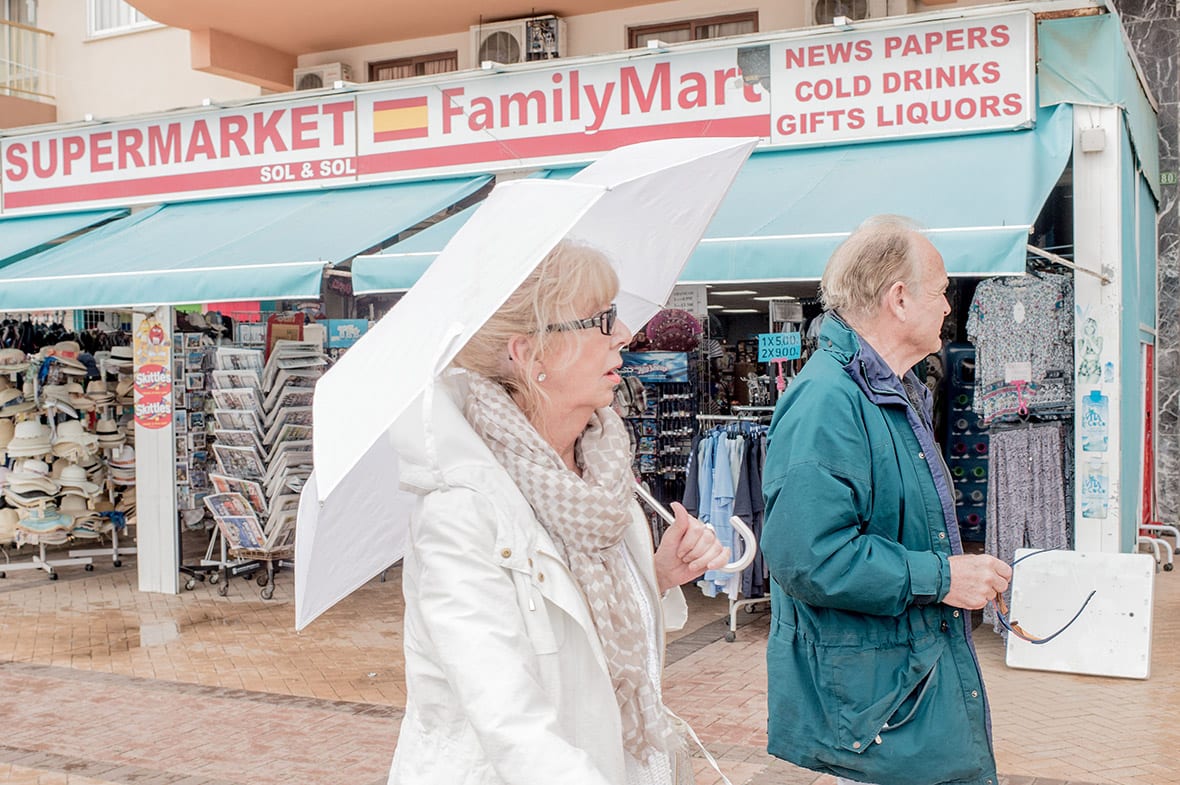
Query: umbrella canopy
point(645, 207)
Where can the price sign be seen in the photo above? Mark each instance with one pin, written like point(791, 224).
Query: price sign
point(779, 346)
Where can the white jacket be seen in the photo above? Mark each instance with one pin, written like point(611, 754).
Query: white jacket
point(505, 676)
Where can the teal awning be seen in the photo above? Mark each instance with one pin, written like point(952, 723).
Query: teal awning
point(398, 269)
point(24, 236)
point(976, 196)
point(250, 248)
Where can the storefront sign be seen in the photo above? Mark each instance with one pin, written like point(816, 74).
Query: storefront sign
point(343, 333)
point(151, 348)
point(937, 78)
point(261, 148)
point(656, 366)
point(779, 346)
point(959, 76)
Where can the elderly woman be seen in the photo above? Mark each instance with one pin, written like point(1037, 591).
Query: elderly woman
point(534, 623)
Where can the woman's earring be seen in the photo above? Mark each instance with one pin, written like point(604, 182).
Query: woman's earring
point(541, 377)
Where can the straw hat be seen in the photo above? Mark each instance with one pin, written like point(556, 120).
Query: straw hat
point(70, 433)
point(96, 390)
point(13, 361)
point(67, 353)
point(14, 402)
point(78, 399)
point(44, 520)
point(32, 475)
point(7, 431)
point(30, 439)
point(8, 520)
point(74, 476)
point(120, 359)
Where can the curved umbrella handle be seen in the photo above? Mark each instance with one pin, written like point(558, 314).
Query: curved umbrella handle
point(749, 541)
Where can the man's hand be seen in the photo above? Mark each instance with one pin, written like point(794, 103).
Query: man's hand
point(975, 580)
point(687, 549)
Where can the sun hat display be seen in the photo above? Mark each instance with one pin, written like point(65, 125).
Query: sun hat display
point(74, 477)
point(30, 438)
point(88, 524)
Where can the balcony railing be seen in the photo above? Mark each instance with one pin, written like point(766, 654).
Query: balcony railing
point(26, 68)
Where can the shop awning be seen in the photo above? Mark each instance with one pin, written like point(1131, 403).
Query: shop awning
point(401, 266)
point(976, 195)
point(251, 248)
point(27, 235)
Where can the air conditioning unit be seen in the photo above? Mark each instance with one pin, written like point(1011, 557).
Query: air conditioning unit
point(518, 40)
point(315, 77)
point(824, 12)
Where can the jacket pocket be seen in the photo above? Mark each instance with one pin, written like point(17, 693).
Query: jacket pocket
point(878, 690)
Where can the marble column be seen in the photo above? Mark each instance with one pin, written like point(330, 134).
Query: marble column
point(1154, 29)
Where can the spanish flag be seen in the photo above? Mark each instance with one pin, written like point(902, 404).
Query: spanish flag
point(403, 118)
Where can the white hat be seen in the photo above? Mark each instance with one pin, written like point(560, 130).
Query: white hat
point(13, 360)
point(8, 519)
point(31, 475)
point(73, 442)
point(14, 402)
point(30, 439)
point(74, 476)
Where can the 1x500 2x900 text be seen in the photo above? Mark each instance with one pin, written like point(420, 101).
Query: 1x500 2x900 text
point(281, 173)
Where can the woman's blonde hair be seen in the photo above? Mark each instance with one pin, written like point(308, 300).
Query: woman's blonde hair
point(571, 278)
point(880, 252)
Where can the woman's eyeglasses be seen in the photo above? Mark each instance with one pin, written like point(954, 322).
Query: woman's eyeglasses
point(604, 321)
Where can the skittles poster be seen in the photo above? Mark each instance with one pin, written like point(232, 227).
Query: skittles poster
point(153, 374)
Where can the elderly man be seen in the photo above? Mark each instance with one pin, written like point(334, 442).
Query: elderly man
point(872, 671)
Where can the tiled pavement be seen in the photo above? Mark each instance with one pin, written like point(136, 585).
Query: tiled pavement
point(103, 685)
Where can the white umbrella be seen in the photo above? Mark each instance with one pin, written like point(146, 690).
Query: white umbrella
point(645, 206)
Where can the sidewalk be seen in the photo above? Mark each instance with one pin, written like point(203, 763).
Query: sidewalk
point(102, 684)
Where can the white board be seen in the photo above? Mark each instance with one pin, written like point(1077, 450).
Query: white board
point(1112, 637)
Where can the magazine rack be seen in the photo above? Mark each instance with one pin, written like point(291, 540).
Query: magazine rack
point(245, 540)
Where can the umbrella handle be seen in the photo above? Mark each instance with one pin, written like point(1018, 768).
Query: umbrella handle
point(749, 541)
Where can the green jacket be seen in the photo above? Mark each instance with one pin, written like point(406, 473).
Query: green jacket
point(871, 677)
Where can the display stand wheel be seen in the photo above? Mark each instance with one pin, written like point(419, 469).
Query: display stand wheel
point(3, 575)
point(1168, 567)
point(214, 578)
point(730, 637)
point(223, 589)
point(262, 580)
point(89, 568)
point(53, 576)
point(190, 584)
point(268, 592)
point(118, 562)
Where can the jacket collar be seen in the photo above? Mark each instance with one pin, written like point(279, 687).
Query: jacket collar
point(865, 366)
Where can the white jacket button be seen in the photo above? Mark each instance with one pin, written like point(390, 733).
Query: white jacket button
point(541, 577)
point(506, 553)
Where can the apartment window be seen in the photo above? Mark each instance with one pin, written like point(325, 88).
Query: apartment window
point(22, 12)
point(693, 29)
point(104, 17)
point(405, 67)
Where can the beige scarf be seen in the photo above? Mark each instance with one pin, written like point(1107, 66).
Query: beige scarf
point(586, 517)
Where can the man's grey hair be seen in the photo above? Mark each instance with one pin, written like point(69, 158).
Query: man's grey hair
point(880, 252)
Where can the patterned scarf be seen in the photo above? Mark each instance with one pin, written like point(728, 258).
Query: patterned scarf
point(586, 517)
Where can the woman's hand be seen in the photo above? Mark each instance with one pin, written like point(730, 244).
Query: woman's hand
point(687, 549)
